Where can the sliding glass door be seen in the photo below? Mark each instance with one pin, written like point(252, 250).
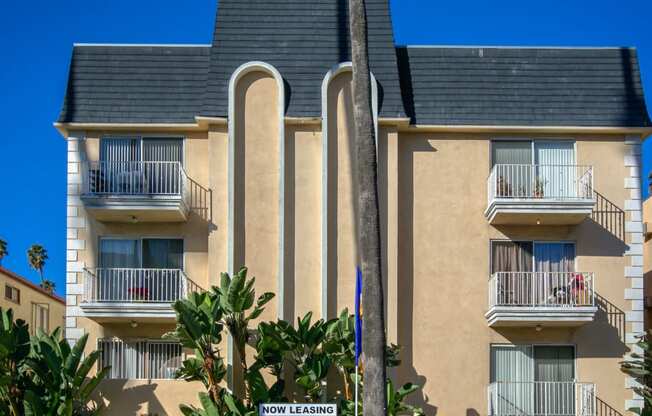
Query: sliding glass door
point(532, 273)
point(532, 380)
point(554, 374)
point(139, 165)
point(147, 269)
point(162, 158)
point(556, 174)
point(534, 169)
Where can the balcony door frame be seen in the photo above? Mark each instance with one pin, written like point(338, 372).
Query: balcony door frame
point(532, 142)
point(140, 246)
point(534, 258)
point(141, 138)
point(533, 346)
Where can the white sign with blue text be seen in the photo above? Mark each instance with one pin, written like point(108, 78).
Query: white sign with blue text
point(294, 409)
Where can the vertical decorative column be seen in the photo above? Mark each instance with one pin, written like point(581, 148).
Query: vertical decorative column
point(634, 255)
point(75, 238)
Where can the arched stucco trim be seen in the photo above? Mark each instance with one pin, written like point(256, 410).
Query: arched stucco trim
point(330, 75)
point(241, 71)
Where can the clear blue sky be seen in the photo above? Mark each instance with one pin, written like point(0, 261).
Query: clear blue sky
point(37, 37)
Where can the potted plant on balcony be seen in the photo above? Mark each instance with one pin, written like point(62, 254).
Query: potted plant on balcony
point(503, 188)
point(539, 184)
point(139, 293)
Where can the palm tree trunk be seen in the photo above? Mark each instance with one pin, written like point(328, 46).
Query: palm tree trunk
point(368, 217)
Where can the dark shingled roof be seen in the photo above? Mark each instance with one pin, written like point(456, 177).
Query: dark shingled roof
point(523, 86)
point(303, 40)
point(135, 84)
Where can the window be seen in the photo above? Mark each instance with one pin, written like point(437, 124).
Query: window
point(533, 273)
point(41, 317)
point(537, 169)
point(140, 359)
point(143, 270)
point(12, 294)
point(134, 165)
point(532, 379)
point(149, 253)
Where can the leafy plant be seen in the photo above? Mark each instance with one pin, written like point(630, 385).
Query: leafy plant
point(37, 255)
point(14, 349)
point(3, 250)
point(503, 188)
point(61, 375)
point(199, 328)
point(340, 345)
point(396, 400)
point(640, 368)
point(44, 376)
point(309, 349)
point(301, 348)
point(48, 285)
point(539, 185)
point(236, 299)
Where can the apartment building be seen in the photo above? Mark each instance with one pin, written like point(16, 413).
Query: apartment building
point(29, 302)
point(509, 184)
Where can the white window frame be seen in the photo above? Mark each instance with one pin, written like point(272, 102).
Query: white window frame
point(140, 246)
point(533, 142)
point(143, 137)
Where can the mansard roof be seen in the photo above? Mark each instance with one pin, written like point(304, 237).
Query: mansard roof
point(523, 86)
point(305, 39)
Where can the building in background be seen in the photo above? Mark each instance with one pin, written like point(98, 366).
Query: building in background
point(510, 202)
point(647, 258)
point(37, 307)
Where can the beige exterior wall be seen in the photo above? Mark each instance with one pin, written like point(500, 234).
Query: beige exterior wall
point(436, 243)
point(30, 295)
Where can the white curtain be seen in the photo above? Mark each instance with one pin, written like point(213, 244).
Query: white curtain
point(556, 171)
point(122, 149)
point(512, 371)
point(163, 178)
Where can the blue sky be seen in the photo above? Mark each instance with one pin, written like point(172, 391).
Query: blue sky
point(37, 37)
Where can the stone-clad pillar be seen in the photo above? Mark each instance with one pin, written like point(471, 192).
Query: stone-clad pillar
point(75, 236)
point(634, 254)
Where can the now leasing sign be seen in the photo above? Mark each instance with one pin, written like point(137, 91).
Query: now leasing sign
point(292, 409)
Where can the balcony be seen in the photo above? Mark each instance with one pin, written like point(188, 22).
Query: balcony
point(143, 294)
point(542, 398)
point(539, 194)
point(541, 298)
point(135, 191)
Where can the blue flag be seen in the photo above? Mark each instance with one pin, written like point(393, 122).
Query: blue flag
point(358, 316)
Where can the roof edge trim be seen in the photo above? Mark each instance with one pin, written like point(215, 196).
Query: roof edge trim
point(161, 45)
point(644, 132)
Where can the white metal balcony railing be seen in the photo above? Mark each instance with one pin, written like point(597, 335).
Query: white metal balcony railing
point(556, 182)
point(153, 178)
point(542, 398)
point(136, 285)
point(541, 289)
point(140, 359)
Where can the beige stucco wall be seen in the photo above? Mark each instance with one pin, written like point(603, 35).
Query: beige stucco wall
point(28, 297)
point(435, 244)
point(444, 265)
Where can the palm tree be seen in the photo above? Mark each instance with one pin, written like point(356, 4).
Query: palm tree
point(3, 250)
point(36, 256)
point(368, 217)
